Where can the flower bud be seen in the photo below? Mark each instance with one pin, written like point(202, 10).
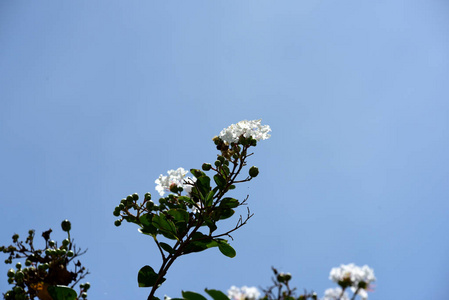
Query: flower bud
point(173, 188)
point(11, 273)
point(86, 286)
point(118, 223)
point(216, 140)
point(253, 171)
point(51, 243)
point(147, 196)
point(15, 237)
point(27, 263)
point(149, 204)
point(19, 275)
point(206, 167)
point(217, 163)
point(253, 142)
point(66, 225)
point(70, 253)
point(135, 196)
point(18, 266)
point(66, 242)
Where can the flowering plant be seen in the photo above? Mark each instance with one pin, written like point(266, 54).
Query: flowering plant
point(186, 220)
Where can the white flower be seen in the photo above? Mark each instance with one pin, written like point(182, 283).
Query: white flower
point(354, 274)
point(243, 293)
point(177, 177)
point(334, 294)
point(247, 129)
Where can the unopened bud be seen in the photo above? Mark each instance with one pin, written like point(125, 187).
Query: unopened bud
point(253, 171)
point(206, 167)
point(66, 225)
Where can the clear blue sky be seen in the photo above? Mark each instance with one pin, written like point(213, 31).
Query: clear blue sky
point(97, 98)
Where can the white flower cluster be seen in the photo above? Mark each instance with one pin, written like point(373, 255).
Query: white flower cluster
point(335, 294)
point(246, 128)
point(177, 177)
point(355, 275)
point(243, 293)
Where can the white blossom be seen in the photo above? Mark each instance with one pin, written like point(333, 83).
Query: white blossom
point(243, 293)
point(354, 274)
point(335, 294)
point(246, 128)
point(177, 177)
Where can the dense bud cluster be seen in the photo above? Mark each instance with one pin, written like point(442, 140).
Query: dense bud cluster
point(44, 272)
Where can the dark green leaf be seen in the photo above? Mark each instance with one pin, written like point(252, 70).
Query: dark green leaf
point(211, 225)
point(146, 221)
point(180, 215)
point(186, 199)
point(200, 242)
point(161, 222)
point(203, 184)
point(192, 296)
point(167, 247)
point(224, 170)
point(229, 203)
point(226, 249)
point(60, 292)
point(217, 295)
point(147, 277)
point(197, 173)
point(209, 198)
point(220, 181)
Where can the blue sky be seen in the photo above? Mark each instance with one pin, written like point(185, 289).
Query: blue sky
point(97, 98)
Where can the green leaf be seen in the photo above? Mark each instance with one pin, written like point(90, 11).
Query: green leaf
point(180, 215)
point(222, 213)
point(209, 198)
point(226, 213)
point(217, 295)
point(226, 249)
point(147, 277)
point(146, 222)
point(199, 242)
point(197, 173)
point(192, 296)
point(203, 184)
point(211, 225)
point(60, 292)
point(220, 181)
point(161, 222)
point(229, 203)
point(186, 199)
point(224, 170)
point(167, 247)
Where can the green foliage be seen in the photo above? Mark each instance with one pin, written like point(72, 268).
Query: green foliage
point(58, 292)
point(217, 295)
point(148, 278)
